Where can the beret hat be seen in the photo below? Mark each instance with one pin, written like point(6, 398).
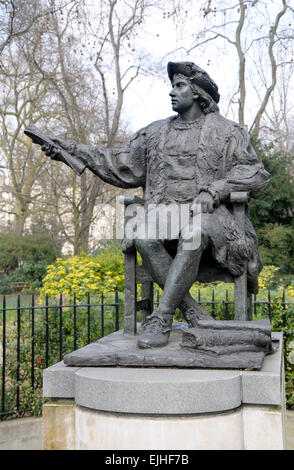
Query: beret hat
point(196, 74)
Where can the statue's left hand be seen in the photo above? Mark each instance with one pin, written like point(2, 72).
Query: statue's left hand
point(206, 201)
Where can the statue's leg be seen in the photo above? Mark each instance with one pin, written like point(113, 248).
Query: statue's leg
point(155, 258)
point(158, 262)
point(182, 274)
point(176, 275)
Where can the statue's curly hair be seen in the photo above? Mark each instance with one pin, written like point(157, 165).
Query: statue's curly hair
point(206, 102)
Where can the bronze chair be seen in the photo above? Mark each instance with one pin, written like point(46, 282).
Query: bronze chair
point(211, 272)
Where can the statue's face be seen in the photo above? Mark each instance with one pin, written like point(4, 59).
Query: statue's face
point(182, 96)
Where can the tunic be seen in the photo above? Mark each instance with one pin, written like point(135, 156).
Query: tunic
point(172, 160)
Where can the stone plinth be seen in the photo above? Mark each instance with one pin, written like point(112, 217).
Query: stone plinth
point(161, 408)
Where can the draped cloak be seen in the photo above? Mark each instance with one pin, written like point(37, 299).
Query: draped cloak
point(217, 154)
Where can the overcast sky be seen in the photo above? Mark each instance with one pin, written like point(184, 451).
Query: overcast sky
point(148, 100)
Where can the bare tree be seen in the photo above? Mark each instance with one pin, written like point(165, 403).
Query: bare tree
point(83, 60)
point(21, 100)
point(17, 17)
point(25, 98)
point(87, 112)
point(247, 26)
point(279, 114)
point(118, 23)
point(80, 75)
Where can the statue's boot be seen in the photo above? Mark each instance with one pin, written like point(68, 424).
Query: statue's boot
point(157, 329)
point(158, 326)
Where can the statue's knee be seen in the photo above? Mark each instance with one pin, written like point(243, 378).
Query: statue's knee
point(204, 238)
point(197, 241)
point(143, 245)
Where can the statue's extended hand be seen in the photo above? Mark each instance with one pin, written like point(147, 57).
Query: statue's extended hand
point(206, 201)
point(53, 151)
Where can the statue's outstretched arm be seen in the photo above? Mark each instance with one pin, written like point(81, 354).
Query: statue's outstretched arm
point(123, 167)
point(56, 149)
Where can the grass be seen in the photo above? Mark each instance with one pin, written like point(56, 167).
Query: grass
point(12, 302)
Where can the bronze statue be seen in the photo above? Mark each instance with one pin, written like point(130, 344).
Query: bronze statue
point(196, 156)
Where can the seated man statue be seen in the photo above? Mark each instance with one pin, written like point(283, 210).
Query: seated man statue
point(196, 156)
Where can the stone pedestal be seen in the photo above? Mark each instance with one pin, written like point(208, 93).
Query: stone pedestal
point(107, 408)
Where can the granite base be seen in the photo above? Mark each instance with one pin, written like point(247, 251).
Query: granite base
point(161, 408)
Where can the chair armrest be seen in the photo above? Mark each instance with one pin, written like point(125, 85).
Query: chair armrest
point(128, 199)
point(239, 197)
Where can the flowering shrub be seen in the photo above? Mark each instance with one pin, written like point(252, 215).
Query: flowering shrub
point(267, 277)
point(84, 274)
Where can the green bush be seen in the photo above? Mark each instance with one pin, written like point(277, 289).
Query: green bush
point(276, 204)
point(282, 319)
point(24, 259)
point(276, 246)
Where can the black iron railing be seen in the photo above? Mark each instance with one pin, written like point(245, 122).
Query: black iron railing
point(35, 336)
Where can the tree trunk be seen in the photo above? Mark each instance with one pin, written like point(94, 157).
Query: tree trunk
point(19, 221)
